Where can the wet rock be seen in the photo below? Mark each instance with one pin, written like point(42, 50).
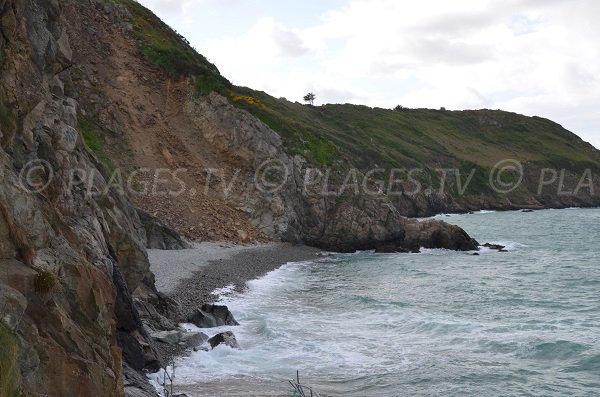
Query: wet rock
point(435, 234)
point(495, 247)
point(390, 249)
point(210, 316)
point(168, 337)
point(193, 340)
point(151, 317)
point(224, 338)
point(136, 385)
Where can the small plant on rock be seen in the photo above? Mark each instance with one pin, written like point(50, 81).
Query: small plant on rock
point(44, 282)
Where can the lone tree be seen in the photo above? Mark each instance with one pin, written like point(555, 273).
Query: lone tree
point(310, 98)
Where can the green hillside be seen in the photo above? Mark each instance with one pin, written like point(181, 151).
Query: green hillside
point(345, 135)
point(412, 137)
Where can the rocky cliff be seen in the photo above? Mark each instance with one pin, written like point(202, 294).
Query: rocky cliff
point(108, 121)
point(72, 248)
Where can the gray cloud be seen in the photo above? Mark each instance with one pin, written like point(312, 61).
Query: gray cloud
point(335, 95)
point(288, 42)
point(440, 50)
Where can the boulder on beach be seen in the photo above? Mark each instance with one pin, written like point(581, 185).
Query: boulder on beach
point(192, 340)
point(224, 338)
point(169, 337)
point(210, 316)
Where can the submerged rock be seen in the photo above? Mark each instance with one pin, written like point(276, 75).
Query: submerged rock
point(390, 249)
point(224, 338)
point(210, 316)
point(498, 247)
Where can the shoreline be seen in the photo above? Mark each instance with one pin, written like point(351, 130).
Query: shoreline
point(190, 276)
point(503, 209)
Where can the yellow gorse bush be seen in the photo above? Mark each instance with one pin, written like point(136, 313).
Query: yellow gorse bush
point(250, 100)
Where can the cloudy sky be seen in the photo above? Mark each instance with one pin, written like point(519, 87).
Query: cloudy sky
point(537, 57)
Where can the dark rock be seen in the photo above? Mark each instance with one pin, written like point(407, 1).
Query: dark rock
point(151, 318)
point(225, 338)
point(168, 337)
point(136, 385)
point(192, 340)
point(160, 236)
point(502, 250)
point(527, 210)
point(436, 234)
point(390, 249)
point(210, 316)
point(494, 246)
point(133, 353)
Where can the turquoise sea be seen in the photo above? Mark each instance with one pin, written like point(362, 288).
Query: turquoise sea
point(519, 323)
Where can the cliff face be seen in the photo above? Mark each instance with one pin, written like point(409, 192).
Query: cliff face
point(72, 254)
point(134, 81)
point(246, 162)
point(79, 107)
point(109, 119)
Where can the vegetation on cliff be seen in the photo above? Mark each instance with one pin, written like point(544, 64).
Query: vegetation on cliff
point(365, 137)
point(170, 51)
point(9, 368)
point(344, 136)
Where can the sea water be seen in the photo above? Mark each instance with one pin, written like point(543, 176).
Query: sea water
point(520, 323)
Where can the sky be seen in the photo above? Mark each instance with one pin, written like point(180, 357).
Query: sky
point(535, 57)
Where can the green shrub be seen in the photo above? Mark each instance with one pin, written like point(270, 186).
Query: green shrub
point(9, 369)
point(44, 282)
point(323, 151)
point(171, 52)
point(93, 139)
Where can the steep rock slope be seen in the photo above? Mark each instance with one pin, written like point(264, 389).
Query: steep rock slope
point(155, 104)
point(72, 248)
point(81, 110)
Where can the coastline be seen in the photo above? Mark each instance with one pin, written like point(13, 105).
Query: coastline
point(190, 276)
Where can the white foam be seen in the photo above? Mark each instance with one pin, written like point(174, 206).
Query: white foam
point(510, 245)
point(227, 290)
